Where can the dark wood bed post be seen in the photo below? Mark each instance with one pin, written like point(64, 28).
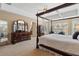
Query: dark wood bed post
point(37, 39)
point(51, 25)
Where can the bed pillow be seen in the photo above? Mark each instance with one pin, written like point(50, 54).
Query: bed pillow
point(75, 35)
point(51, 32)
point(78, 37)
point(62, 33)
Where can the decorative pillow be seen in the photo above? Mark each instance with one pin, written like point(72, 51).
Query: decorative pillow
point(51, 32)
point(75, 35)
point(78, 37)
point(61, 33)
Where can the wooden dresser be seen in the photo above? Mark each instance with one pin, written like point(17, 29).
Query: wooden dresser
point(20, 31)
point(20, 36)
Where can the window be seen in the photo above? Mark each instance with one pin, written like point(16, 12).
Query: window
point(3, 30)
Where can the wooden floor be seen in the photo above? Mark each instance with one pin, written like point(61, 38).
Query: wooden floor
point(25, 48)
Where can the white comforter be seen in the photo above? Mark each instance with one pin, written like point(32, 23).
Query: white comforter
point(61, 42)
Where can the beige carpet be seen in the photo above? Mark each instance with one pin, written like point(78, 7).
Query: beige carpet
point(24, 48)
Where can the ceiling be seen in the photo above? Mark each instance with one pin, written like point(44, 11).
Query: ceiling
point(32, 8)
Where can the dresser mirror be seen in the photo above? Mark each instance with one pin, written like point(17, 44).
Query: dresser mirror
point(20, 26)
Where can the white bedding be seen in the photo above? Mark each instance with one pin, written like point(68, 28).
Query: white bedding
point(3, 39)
point(61, 42)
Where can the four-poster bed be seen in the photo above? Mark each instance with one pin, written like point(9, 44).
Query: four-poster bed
point(44, 42)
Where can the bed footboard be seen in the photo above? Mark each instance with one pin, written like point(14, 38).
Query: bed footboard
point(57, 51)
